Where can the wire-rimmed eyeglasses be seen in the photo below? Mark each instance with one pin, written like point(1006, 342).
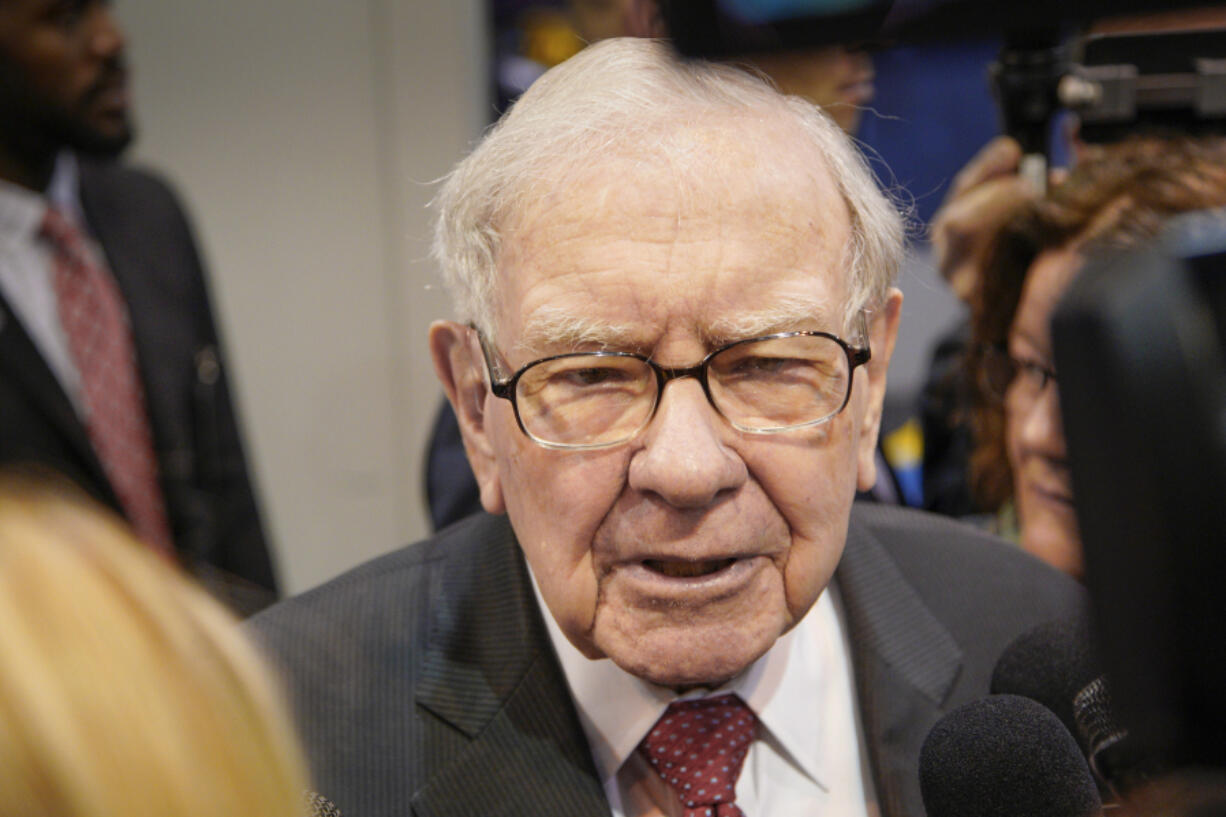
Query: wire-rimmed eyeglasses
point(761, 385)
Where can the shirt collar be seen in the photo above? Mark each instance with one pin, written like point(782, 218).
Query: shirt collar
point(64, 191)
point(785, 688)
point(21, 212)
point(21, 209)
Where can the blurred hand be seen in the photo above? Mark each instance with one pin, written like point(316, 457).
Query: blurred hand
point(986, 193)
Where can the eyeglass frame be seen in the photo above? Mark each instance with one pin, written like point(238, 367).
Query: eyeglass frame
point(506, 389)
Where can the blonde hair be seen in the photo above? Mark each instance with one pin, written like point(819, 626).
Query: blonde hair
point(125, 690)
point(632, 92)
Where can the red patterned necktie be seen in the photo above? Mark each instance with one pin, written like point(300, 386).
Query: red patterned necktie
point(94, 319)
point(698, 748)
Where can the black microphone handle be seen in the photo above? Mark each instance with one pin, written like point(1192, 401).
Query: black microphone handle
point(1116, 757)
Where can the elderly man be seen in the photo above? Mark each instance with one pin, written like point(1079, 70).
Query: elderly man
point(677, 314)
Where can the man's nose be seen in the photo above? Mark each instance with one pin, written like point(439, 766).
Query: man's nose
point(106, 37)
point(684, 459)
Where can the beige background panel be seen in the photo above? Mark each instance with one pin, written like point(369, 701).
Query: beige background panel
point(303, 135)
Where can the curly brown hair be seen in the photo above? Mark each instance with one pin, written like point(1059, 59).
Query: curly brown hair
point(1120, 196)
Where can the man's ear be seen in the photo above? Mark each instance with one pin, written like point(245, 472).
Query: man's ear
point(882, 332)
point(461, 369)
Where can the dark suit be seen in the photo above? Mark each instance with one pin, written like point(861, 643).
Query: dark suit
point(425, 682)
point(211, 508)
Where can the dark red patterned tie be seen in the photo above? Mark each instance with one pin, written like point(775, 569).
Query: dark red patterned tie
point(95, 323)
point(698, 747)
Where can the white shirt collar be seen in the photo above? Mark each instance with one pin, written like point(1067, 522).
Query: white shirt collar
point(21, 209)
point(64, 190)
point(21, 212)
point(784, 688)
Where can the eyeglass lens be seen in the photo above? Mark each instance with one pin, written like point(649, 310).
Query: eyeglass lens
point(761, 385)
point(586, 399)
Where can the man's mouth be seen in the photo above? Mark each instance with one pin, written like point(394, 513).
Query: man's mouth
point(678, 569)
point(676, 580)
point(111, 87)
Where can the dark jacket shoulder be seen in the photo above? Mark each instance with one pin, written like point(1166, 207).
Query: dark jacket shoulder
point(954, 564)
point(413, 670)
point(120, 181)
point(400, 576)
point(983, 590)
point(377, 605)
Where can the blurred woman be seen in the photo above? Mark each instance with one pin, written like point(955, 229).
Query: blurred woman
point(125, 691)
point(1115, 199)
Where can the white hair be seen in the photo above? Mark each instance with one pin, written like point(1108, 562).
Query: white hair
point(628, 93)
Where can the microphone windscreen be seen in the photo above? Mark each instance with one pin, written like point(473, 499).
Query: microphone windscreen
point(1050, 664)
point(1004, 756)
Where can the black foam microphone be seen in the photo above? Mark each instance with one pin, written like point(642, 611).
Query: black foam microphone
point(1004, 756)
point(1051, 663)
point(1056, 665)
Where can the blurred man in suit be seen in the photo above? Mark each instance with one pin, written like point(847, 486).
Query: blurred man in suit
point(110, 367)
point(676, 309)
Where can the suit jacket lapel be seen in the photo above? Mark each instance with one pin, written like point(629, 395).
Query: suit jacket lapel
point(104, 216)
point(490, 672)
point(906, 663)
point(21, 363)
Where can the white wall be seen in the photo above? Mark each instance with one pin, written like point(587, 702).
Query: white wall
point(302, 134)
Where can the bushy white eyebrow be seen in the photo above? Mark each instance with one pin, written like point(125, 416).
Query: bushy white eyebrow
point(557, 328)
point(785, 315)
point(553, 328)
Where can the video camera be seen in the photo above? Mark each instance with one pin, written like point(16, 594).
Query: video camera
point(1115, 82)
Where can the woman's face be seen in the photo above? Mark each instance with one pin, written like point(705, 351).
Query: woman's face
point(1034, 434)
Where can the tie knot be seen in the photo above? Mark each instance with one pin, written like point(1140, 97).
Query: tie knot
point(698, 748)
point(59, 229)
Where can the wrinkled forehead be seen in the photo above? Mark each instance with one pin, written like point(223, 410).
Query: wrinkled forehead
point(740, 157)
point(735, 224)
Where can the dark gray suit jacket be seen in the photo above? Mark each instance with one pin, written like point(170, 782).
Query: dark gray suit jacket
point(151, 252)
point(425, 683)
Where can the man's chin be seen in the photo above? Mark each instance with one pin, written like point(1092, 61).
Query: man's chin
point(103, 142)
point(687, 660)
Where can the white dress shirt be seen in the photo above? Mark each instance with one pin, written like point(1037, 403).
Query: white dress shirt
point(809, 757)
point(26, 268)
